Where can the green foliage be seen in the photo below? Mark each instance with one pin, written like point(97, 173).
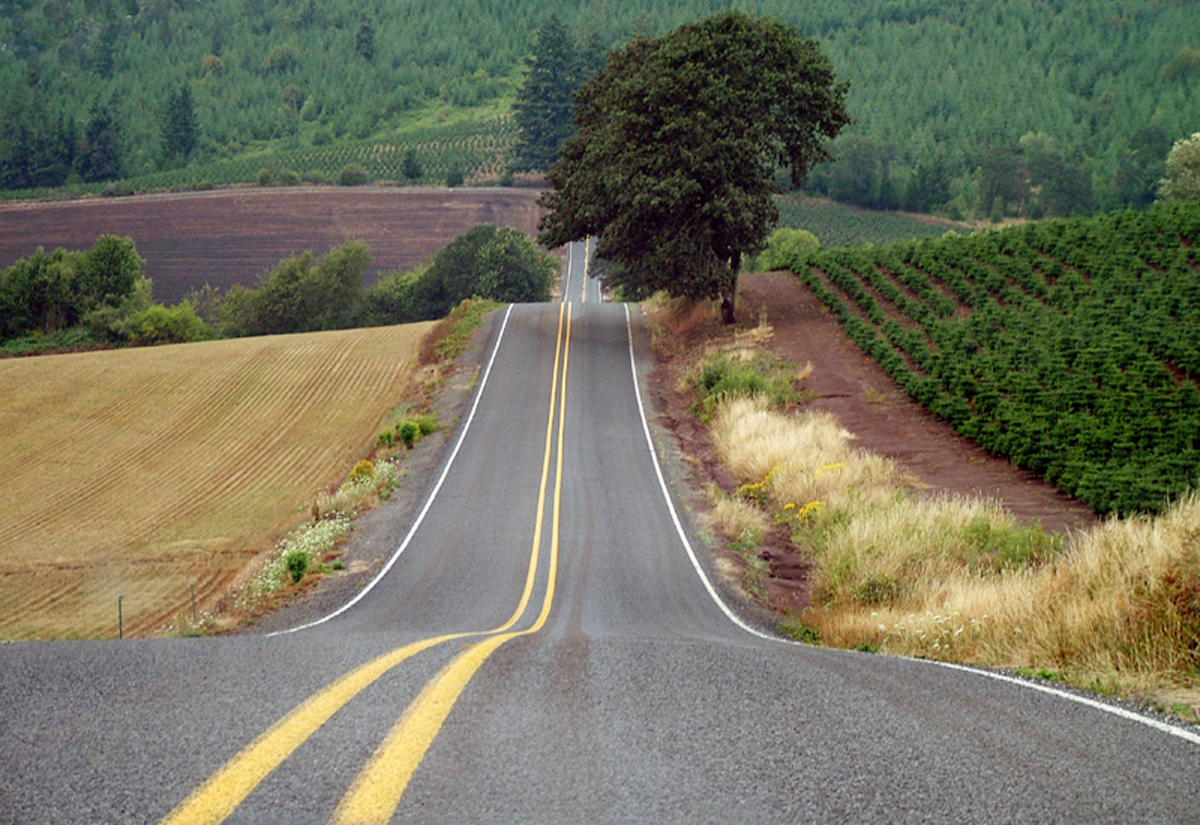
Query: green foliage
point(180, 128)
point(353, 174)
point(455, 334)
point(300, 295)
point(723, 375)
point(1183, 171)
point(673, 165)
point(787, 249)
point(296, 562)
point(50, 293)
point(496, 263)
point(1085, 72)
point(1071, 347)
point(544, 107)
point(282, 58)
point(408, 433)
point(158, 324)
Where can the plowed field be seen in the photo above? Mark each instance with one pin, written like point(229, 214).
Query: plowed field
point(233, 236)
point(141, 473)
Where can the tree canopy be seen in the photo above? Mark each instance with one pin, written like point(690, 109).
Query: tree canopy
point(679, 137)
point(1183, 171)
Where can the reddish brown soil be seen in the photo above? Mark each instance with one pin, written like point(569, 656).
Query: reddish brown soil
point(882, 416)
point(232, 236)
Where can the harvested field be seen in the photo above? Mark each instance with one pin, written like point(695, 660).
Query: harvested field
point(141, 473)
point(233, 236)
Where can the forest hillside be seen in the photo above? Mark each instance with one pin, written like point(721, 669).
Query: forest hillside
point(984, 107)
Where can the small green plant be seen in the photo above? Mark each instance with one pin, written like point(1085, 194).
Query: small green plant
point(386, 437)
point(296, 562)
point(409, 432)
point(801, 633)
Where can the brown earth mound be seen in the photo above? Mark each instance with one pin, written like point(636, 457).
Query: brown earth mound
point(882, 416)
point(232, 236)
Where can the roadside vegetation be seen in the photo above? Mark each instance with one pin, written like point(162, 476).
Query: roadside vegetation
point(1113, 609)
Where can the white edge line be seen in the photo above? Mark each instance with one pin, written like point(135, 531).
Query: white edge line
point(428, 502)
point(687, 545)
point(1130, 715)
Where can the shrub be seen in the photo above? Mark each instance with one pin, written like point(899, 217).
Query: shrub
point(409, 432)
point(296, 562)
point(363, 471)
point(264, 177)
point(353, 174)
point(787, 249)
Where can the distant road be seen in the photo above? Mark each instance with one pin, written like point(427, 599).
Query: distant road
point(547, 649)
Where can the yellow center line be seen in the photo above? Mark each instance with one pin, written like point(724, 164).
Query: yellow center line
point(221, 794)
point(376, 791)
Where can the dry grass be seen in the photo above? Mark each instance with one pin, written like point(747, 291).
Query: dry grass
point(1116, 608)
point(145, 472)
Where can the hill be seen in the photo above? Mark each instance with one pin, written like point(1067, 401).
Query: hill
point(143, 473)
point(1089, 94)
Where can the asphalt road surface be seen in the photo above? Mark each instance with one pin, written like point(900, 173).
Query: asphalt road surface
point(546, 646)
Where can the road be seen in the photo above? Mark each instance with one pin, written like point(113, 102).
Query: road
point(546, 646)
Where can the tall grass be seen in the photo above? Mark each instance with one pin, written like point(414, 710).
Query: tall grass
point(1116, 607)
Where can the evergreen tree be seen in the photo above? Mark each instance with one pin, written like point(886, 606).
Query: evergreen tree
point(411, 167)
point(930, 186)
point(364, 38)
point(103, 157)
point(180, 128)
point(1142, 166)
point(543, 108)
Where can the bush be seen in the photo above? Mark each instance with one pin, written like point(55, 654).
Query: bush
point(787, 249)
point(264, 177)
point(297, 564)
point(161, 325)
point(409, 432)
point(353, 174)
point(363, 470)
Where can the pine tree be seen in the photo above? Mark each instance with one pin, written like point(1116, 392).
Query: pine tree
point(544, 107)
point(180, 128)
point(364, 38)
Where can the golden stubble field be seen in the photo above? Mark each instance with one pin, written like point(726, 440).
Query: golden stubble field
point(143, 473)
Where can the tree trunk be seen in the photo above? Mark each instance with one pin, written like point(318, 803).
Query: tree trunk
point(729, 291)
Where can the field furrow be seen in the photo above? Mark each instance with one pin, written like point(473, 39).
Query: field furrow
point(143, 473)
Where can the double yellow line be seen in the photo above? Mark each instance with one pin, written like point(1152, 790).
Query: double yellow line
point(376, 792)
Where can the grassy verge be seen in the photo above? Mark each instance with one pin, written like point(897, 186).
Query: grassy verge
point(1115, 609)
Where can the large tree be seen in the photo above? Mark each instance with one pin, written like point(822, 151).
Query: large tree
point(672, 167)
point(543, 107)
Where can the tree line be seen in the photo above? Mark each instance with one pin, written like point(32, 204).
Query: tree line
point(66, 300)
